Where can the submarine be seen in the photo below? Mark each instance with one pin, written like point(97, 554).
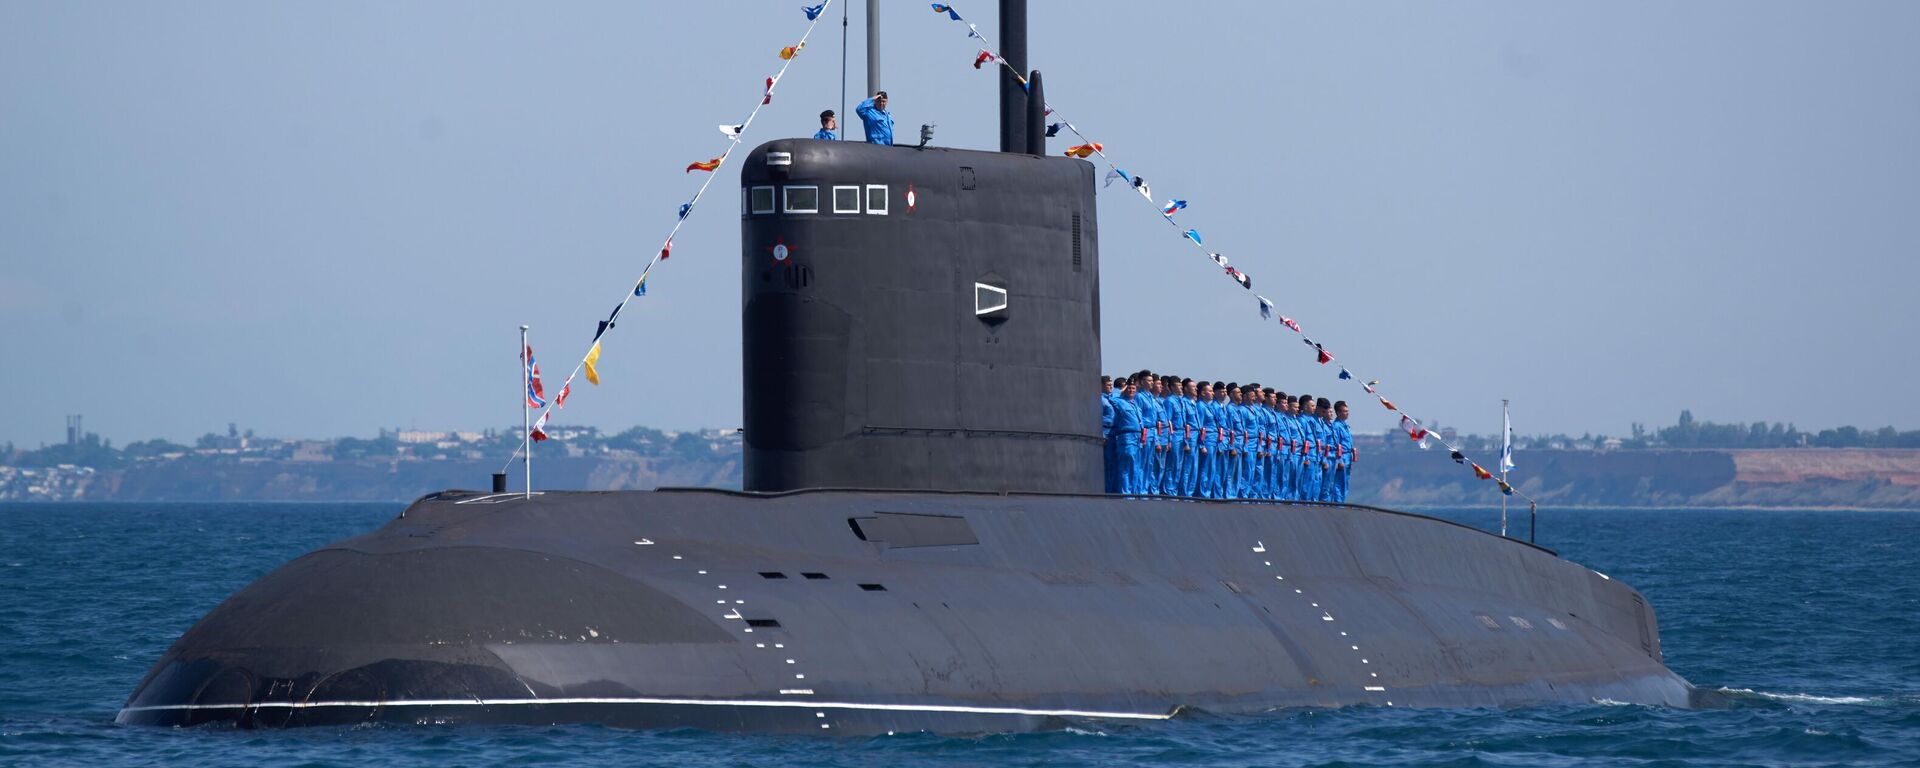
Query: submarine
point(921, 542)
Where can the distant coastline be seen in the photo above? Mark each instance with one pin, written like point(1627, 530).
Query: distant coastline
point(1399, 477)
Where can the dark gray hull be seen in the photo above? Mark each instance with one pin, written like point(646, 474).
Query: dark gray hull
point(944, 612)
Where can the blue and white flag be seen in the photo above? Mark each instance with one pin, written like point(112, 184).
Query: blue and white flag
point(1171, 206)
point(813, 11)
point(536, 396)
point(1194, 235)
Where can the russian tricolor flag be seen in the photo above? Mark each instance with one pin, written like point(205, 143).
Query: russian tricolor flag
point(1171, 206)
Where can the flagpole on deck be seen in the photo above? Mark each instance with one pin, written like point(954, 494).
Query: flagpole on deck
point(526, 417)
point(1503, 465)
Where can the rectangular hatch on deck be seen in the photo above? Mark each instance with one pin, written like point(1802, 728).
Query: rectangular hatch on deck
point(901, 530)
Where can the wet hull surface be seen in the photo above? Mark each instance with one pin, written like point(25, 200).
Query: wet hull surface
point(869, 612)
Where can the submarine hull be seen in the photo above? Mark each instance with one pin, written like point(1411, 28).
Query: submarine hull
point(860, 612)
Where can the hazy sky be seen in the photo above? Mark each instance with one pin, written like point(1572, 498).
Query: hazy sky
point(324, 218)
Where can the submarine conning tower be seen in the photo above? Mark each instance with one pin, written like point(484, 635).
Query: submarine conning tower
point(919, 319)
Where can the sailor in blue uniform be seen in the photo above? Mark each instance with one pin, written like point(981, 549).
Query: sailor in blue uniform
point(1249, 426)
point(1270, 441)
point(1127, 428)
point(1324, 410)
point(1277, 472)
point(1280, 445)
point(1111, 451)
point(1152, 415)
point(828, 122)
point(1190, 459)
point(1176, 434)
point(1209, 466)
point(1323, 420)
point(1162, 436)
point(876, 119)
point(1309, 485)
point(1224, 424)
point(1289, 445)
point(1233, 418)
point(1256, 477)
point(1343, 438)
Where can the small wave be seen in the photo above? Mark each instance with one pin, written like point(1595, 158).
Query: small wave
point(1801, 698)
point(1083, 732)
point(1611, 703)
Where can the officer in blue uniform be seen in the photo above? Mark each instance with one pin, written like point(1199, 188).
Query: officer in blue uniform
point(876, 119)
point(1343, 437)
point(1128, 428)
point(828, 122)
point(1110, 452)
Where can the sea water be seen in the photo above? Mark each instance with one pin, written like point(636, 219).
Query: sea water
point(1802, 628)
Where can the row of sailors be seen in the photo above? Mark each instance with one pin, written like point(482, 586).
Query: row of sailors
point(1169, 436)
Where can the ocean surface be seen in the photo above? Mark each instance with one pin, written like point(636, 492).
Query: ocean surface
point(1804, 627)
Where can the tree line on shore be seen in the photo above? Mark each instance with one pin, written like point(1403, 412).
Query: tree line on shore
point(90, 450)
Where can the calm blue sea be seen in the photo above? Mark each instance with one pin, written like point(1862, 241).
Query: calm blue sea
point(1808, 623)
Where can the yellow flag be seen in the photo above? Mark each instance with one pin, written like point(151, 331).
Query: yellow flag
point(593, 356)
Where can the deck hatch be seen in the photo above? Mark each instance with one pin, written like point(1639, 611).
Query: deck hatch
point(901, 530)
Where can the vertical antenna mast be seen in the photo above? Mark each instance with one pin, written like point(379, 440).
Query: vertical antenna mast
point(1013, 98)
point(843, 70)
point(526, 423)
point(1505, 445)
point(873, 46)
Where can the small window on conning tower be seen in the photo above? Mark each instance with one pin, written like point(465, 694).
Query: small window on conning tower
point(877, 199)
point(802, 199)
point(761, 200)
point(846, 199)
